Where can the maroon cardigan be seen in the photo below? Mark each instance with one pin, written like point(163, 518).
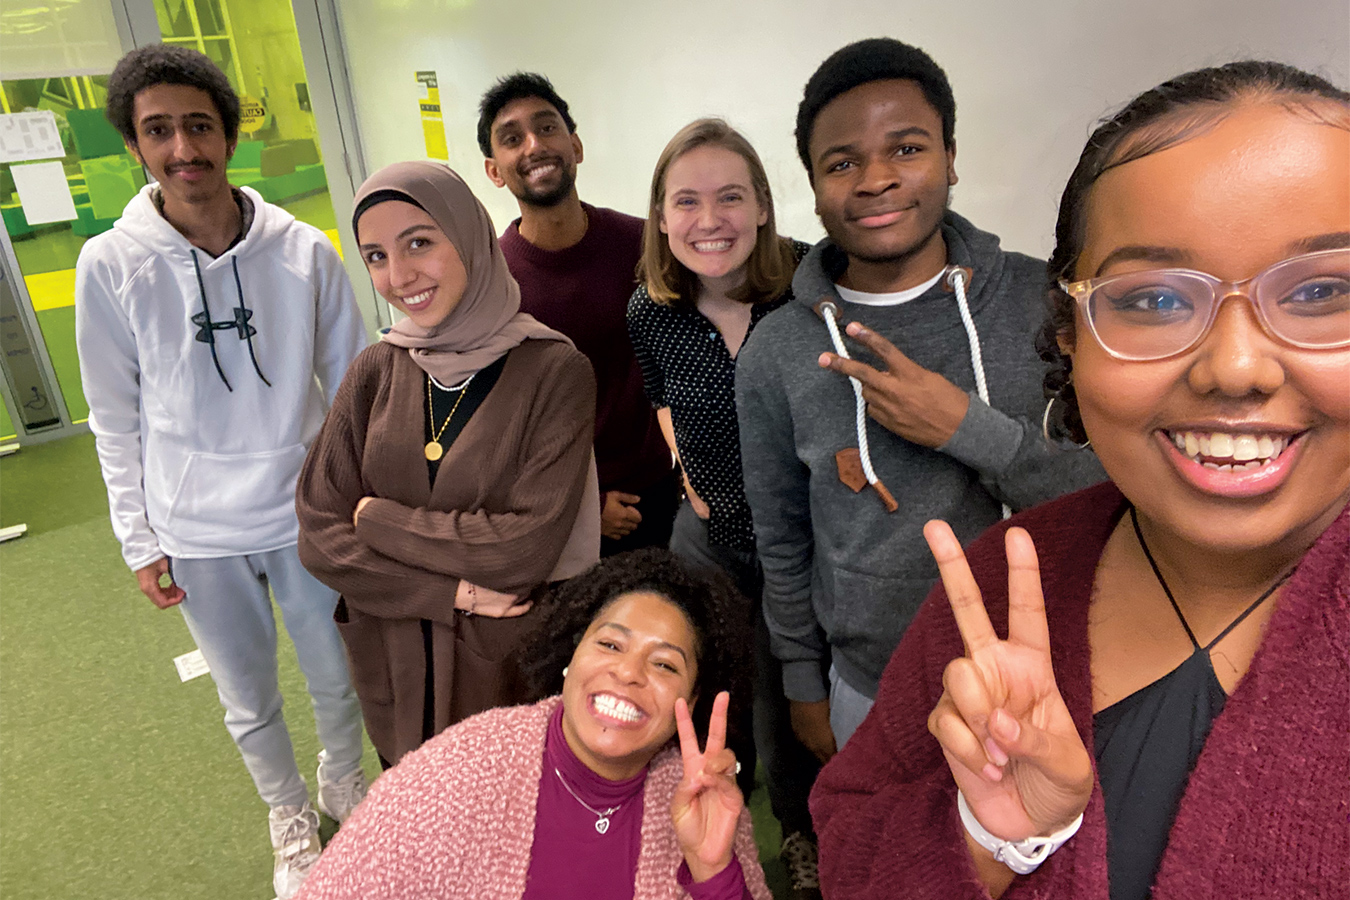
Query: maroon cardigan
point(1263, 815)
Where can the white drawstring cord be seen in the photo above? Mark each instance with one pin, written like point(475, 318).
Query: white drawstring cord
point(956, 279)
point(828, 313)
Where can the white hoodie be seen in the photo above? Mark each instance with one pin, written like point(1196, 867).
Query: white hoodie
point(196, 469)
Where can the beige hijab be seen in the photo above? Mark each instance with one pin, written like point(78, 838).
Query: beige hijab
point(487, 322)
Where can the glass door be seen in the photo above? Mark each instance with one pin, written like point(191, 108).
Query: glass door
point(63, 174)
point(255, 44)
point(59, 74)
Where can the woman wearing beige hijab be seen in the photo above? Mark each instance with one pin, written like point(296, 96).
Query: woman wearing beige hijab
point(453, 478)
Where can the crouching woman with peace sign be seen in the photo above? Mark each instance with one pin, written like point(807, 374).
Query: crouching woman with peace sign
point(587, 795)
point(1139, 690)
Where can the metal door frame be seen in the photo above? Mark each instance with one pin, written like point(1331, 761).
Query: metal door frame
point(323, 49)
point(28, 319)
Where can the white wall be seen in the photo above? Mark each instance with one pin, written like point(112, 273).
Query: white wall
point(1030, 79)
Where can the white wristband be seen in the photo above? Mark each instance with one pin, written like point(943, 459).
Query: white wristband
point(1021, 856)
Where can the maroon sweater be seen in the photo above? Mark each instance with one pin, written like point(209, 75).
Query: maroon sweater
point(1264, 813)
point(583, 292)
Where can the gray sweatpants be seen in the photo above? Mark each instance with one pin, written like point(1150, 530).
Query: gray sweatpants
point(230, 616)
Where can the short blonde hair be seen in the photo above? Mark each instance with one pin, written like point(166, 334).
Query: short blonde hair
point(771, 263)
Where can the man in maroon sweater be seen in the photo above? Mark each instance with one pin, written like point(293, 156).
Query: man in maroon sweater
point(576, 267)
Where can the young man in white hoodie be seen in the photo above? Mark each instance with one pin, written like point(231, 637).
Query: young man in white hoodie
point(213, 330)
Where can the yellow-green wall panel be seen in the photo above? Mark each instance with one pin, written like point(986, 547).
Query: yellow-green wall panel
point(6, 426)
point(58, 330)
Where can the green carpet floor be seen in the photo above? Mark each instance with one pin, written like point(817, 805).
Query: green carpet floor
point(116, 780)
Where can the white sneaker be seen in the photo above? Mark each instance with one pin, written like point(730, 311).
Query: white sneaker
point(295, 840)
point(337, 799)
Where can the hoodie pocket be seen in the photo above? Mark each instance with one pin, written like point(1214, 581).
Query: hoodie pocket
point(221, 496)
point(870, 615)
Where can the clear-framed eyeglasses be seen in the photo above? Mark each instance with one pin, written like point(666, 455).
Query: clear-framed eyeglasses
point(1303, 301)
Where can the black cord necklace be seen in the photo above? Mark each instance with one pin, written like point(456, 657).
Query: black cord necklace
point(1143, 545)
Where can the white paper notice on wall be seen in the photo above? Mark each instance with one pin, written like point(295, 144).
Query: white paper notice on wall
point(190, 665)
point(44, 193)
point(26, 136)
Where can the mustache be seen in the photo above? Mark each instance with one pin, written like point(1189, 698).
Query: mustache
point(190, 164)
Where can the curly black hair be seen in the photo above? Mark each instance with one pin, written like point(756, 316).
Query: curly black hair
point(516, 86)
point(155, 64)
point(716, 611)
point(1159, 118)
point(862, 62)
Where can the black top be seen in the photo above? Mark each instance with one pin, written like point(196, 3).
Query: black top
point(687, 367)
point(1146, 746)
point(443, 401)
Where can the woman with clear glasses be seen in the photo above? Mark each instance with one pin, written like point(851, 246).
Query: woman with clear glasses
point(1139, 690)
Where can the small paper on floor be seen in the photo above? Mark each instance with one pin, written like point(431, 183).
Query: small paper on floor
point(190, 665)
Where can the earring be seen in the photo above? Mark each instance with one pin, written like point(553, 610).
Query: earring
point(565, 668)
point(1045, 427)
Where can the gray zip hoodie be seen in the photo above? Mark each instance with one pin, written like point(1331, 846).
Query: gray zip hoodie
point(835, 561)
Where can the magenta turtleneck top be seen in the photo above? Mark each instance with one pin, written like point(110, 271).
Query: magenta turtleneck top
point(572, 860)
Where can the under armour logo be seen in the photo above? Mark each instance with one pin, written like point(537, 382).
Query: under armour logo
point(240, 324)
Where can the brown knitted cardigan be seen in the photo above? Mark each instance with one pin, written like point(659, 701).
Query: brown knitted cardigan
point(503, 506)
point(455, 821)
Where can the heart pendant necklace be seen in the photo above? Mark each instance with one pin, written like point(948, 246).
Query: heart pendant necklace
point(602, 818)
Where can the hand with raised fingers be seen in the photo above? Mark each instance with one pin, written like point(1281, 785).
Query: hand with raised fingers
point(919, 405)
point(707, 803)
point(1003, 726)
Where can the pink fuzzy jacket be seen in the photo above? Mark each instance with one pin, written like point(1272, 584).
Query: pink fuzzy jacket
point(455, 821)
point(1264, 815)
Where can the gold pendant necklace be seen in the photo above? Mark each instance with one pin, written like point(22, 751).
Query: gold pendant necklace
point(433, 450)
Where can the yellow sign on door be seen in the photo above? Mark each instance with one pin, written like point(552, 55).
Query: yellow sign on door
point(433, 126)
point(252, 115)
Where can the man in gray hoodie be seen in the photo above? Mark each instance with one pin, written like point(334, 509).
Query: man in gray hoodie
point(944, 323)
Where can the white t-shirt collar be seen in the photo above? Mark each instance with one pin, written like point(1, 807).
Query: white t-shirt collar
point(894, 298)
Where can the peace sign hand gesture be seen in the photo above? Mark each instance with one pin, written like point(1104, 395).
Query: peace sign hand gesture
point(918, 404)
point(1003, 726)
point(707, 803)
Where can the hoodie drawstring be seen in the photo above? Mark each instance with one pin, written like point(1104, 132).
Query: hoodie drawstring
point(830, 313)
point(208, 328)
point(955, 279)
point(242, 315)
point(203, 319)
